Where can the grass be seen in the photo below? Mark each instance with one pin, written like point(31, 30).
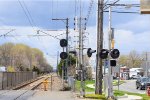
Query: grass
point(145, 97)
point(118, 93)
point(115, 82)
point(95, 96)
point(102, 97)
point(88, 89)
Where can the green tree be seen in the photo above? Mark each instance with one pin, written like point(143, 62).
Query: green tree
point(36, 69)
point(71, 63)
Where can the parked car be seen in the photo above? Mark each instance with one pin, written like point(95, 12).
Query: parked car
point(142, 82)
point(135, 76)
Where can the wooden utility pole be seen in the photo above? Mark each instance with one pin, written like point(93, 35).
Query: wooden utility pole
point(99, 70)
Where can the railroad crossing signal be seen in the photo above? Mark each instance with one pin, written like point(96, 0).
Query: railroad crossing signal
point(63, 42)
point(63, 55)
point(114, 53)
point(90, 51)
point(103, 53)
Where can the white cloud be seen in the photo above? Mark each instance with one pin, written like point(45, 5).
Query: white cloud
point(24, 35)
point(125, 39)
point(138, 24)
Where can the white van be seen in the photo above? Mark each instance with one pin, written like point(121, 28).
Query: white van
point(135, 73)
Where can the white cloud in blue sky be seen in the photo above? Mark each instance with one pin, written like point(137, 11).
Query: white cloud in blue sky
point(131, 30)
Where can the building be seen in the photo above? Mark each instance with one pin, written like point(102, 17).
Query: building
point(122, 72)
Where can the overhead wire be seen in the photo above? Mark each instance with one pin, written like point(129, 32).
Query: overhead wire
point(111, 4)
point(124, 12)
point(30, 19)
point(26, 14)
point(5, 28)
point(29, 13)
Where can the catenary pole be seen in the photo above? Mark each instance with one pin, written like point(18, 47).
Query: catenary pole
point(81, 65)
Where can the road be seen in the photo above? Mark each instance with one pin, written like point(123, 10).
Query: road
point(129, 86)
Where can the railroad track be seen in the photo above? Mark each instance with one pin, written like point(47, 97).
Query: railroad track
point(25, 89)
point(32, 86)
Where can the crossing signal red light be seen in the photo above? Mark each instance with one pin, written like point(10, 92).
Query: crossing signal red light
point(114, 53)
point(103, 53)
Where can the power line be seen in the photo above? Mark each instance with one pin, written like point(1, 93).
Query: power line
point(132, 5)
point(33, 23)
point(7, 33)
point(124, 12)
point(111, 4)
point(29, 13)
point(105, 4)
point(26, 14)
point(49, 34)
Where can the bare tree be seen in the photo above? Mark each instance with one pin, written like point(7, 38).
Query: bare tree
point(134, 59)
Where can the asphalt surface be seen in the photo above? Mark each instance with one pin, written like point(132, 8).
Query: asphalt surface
point(55, 95)
point(15, 94)
point(130, 86)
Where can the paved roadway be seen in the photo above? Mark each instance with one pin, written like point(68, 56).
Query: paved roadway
point(129, 86)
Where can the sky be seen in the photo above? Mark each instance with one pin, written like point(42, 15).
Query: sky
point(24, 17)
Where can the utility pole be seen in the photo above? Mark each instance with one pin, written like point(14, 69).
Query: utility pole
point(67, 37)
point(81, 65)
point(99, 71)
point(110, 77)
